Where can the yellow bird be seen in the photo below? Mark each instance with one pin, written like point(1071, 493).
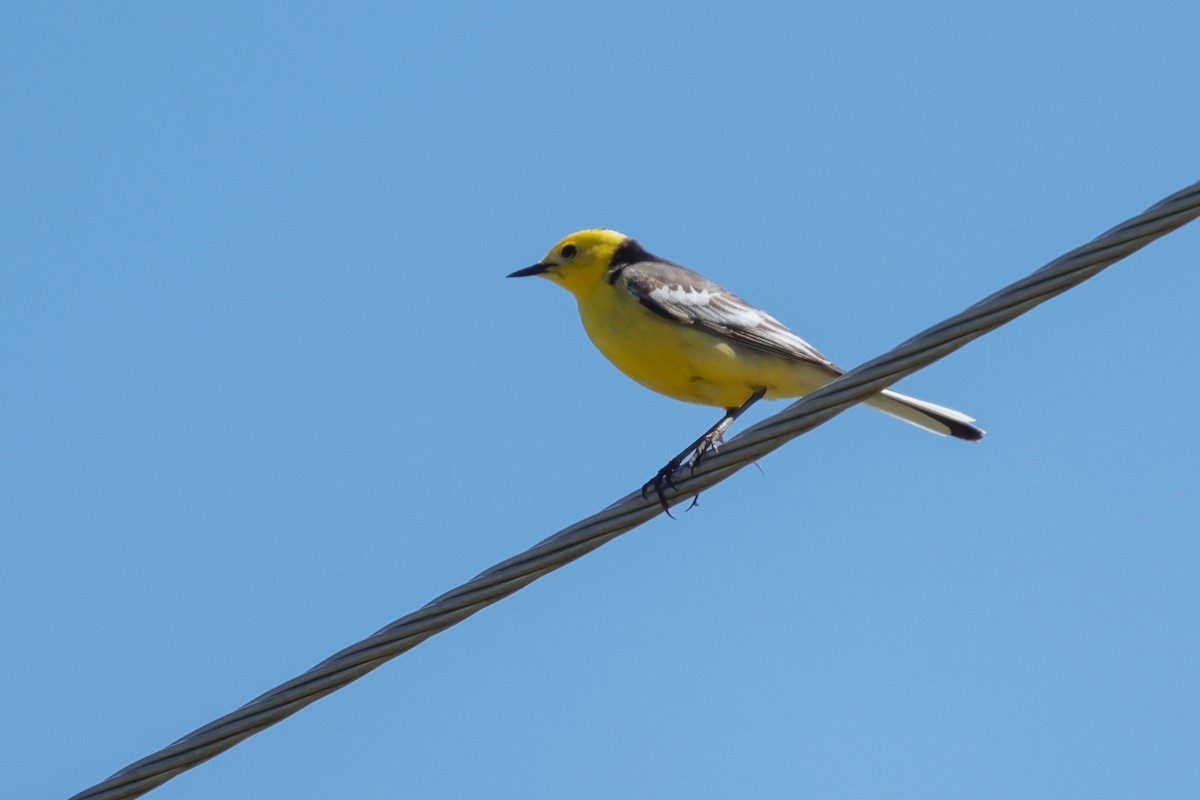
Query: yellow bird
point(676, 332)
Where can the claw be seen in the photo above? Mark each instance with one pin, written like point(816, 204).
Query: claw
point(663, 478)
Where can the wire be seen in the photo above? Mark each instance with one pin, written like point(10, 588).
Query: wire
point(632, 510)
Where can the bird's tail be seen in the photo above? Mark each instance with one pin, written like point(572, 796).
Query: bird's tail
point(938, 419)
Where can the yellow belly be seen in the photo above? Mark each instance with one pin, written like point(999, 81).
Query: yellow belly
point(684, 362)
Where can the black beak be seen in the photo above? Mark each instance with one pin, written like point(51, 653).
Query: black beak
point(536, 269)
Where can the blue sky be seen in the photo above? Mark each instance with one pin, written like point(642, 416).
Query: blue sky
point(266, 389)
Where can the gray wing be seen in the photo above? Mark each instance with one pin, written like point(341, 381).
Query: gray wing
point(689, 298)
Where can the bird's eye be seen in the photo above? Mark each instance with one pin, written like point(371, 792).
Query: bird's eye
point(568, 251)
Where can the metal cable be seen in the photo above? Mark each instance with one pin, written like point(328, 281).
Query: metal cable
point(632, 510)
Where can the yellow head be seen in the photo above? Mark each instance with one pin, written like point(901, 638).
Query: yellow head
point(579, 262)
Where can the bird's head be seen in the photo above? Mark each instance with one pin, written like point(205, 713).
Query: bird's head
point(580, 261)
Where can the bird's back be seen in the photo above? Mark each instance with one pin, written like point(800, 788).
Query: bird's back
point(676, 332)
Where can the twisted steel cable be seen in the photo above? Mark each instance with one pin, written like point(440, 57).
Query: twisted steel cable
point(632, 510)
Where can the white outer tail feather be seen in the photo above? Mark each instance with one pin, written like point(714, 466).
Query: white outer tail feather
point(923, 414)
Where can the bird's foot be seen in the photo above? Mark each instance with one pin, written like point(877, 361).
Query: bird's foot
point(663, 478)
point(710, 442)
point(661, 481)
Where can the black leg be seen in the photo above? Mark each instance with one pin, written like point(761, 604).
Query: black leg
point(696, 449)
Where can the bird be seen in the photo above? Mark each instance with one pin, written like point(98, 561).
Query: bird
point(678, 333)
